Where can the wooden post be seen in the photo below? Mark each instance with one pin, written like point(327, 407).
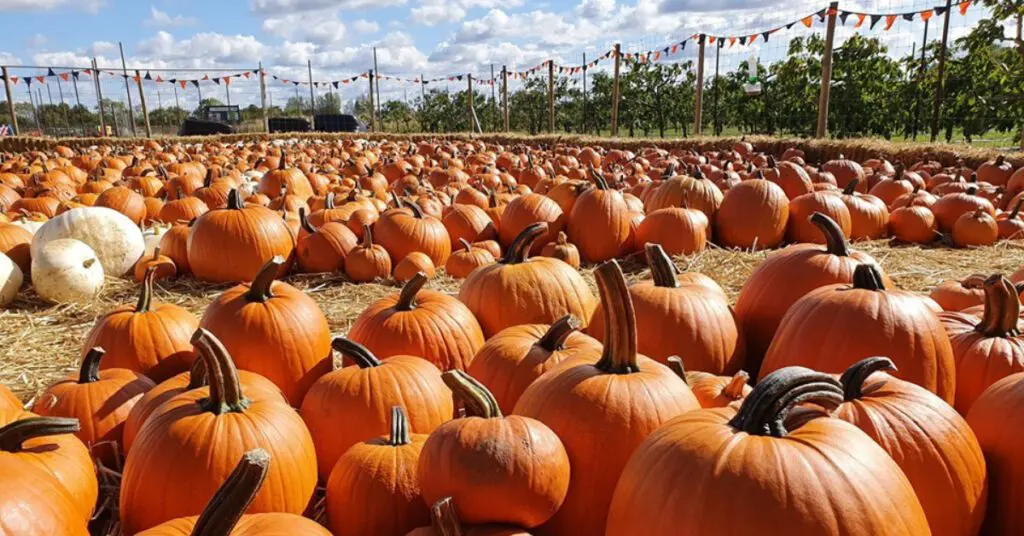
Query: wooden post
point(263, 98)
point(63, 108)
point(145, 110)
point(469, 99)
point(376, 87)
point(715, 129)
point(227, 90)
point(940, 83)
point(373, 111)
point(494, 102)
point(10, 100)
point(584, 122)
point(99, 97)
point(917, 86)
point(127, 90)
point(551, 96)
point(504, 96)
point(312, 96)
point(615, 90)
point(698, 96)
point(826, 71)
point(423, 101)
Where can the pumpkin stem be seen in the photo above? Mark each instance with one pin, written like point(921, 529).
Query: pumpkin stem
point(304, 221)
point(670, 171)
point(146, 295)
point(675, 363)
point(479, 402)
point(225, 389)
point(834, 239)
point(663, 271)
point(235, 200)
point(554, 338)
point(519, 251)
point(89, 372)
point(259, 289)
point(868, 277)
point(407, 298)
point(734, 389)
point(367, 236)
point(599, 180)
point(208, 179)
point(235, 495)
point(417, 212)
point(1016, 209)
point(443, 518)
point(852, 187)
point(1002, 308)
point(465, 244)
point(399, 428)
point(764, 411)
point(197, 376)
point(619, 354)
point(329, 201)
point(854, 377)
point(356, 352)
point(15, 434)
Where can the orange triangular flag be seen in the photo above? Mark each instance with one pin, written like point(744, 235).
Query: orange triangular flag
point(711, 39)
point(183, 83)
point(14, 79)
point(889, 21)
point(227, 80)
point(732, 41)
point(246, 75)
point(964, 6)
point(65, 76)
point(925, 15)
point(808, 20)
point(159, 80)
point(205, 77)
point(136, 79)
point(657, 55)
point(860, 19)
point(42, 79)
point(752, 39)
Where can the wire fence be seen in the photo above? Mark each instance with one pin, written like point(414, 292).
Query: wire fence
point(914, 70)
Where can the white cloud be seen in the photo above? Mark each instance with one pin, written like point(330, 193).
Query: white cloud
point(540, 27)
point(6, 58)
point(91, 6)
point(101, 48)
point(296, 26)
point(364, 26)
point(277, 7)
point(202, 48)
point(160, 19)
point(37, 41)
point(434, 12)
point(596, 9)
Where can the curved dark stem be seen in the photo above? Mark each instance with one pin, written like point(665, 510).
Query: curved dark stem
point(852, 187)
point(554, 338)
point(1002, 308)
point(479, 402)
point(407, 298)
point(519, 251)
point(225, 388)
point(854, 377)
point(15, 434)
point(972, 190)
point(670, 171)
point(90, 369)
point(260, 288)
point(764, 411)
point(235, 495)
point(399, 428)
point(675, 363)
point(235, 200)
point(620, 353)
point(663, 271)
point(280, 163)
point(367, 236)
point(868, 277)
point(361, 355)
point(466, 245)
point(599, 180)
point(1016, 209)
point(197, 376)
point(834, 239)
point(444, 520)
point(304, 221)
point(146, 294)
point(417, 212)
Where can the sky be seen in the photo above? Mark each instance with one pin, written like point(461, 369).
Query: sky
point(435, 38)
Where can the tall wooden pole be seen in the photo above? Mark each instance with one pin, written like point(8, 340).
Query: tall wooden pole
point(469, 99)
point(145, 110)
point(615, 90)
point(714, 127)
point(494, 102)
point(504, 96)
point(423, 101)
point(10, 100)
point(373, 111)
point(551, 95)
point(263, 98)
point(63, 108)
point(127, 89)
point(99, 97)
point(698, 97)
point(227, 90)
point(35, 113)
point(312, 96)
point(940, 82)
point(78, 101)
point(376, 83)
point(826, 71)
point(917, 87)
point(584, 126)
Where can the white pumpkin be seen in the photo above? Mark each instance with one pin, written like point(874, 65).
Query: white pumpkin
point(152, 236)
point(114, 238)
point(66, 270)
point(28, 225)
point(11, 279)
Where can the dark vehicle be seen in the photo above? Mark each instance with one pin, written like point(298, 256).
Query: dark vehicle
point(288, 124)
point(335, 123)
point(231, 115)
point(202, 127)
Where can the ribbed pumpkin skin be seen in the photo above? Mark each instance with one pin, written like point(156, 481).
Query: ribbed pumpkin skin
point(980, 360)
point(250, 525)
point(828, 330)
point(468, 222)
point(402, 233)
point(996, 418)
point(752, 215)
point(373, 489)
point(183, 444)
point(933, 445)
point(511, 360)
point(800, 229)
point(600, 225)
point(685, 191)
point(33, 503)
point(286, 338)
point(825, 478)
point(226, 245)
point(154, 343)
point(528, 209)
point(352, 404)
point(955, 295)
point(681, 231)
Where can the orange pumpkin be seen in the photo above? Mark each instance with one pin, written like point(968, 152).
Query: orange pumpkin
point(994, 418)
point(468, 222)
point(1011, 224)
point(466, 259)
point(800, 227)
point(916, 225)
point(953, 295)
point(413, 264)
point(367, 261)
point(753, 215)
point(33, 502)
point(687, 191)
point(562, 250)
point(976, 228)
point(526, 210)
point(600, 223)
point(712, 390)
point(323, 249)
point(445, 522)
point(162, 266)
point(680, 231)
point(402, 232)
point(16, 243)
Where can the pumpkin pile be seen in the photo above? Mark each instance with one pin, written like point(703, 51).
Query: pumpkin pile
point(824, 399)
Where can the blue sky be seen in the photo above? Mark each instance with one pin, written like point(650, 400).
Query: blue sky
point(434, 37)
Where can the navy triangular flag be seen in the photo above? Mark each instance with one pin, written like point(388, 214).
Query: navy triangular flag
point(216, 81)
point(28, 81)
point(874, 21)
point(296, 83)
point(459, 78)
point(765, 35)
point(49, 72)
point(173, 80)
point(843, 15)
point(743, 40)
point(790, 25)
point(335, 84)
point(909, 16)
point(195, 82)
point(821, 15)
point(147, 77)
point(940, 10)
point(74, 74)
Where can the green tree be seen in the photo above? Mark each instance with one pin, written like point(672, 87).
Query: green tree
point(328, 103)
